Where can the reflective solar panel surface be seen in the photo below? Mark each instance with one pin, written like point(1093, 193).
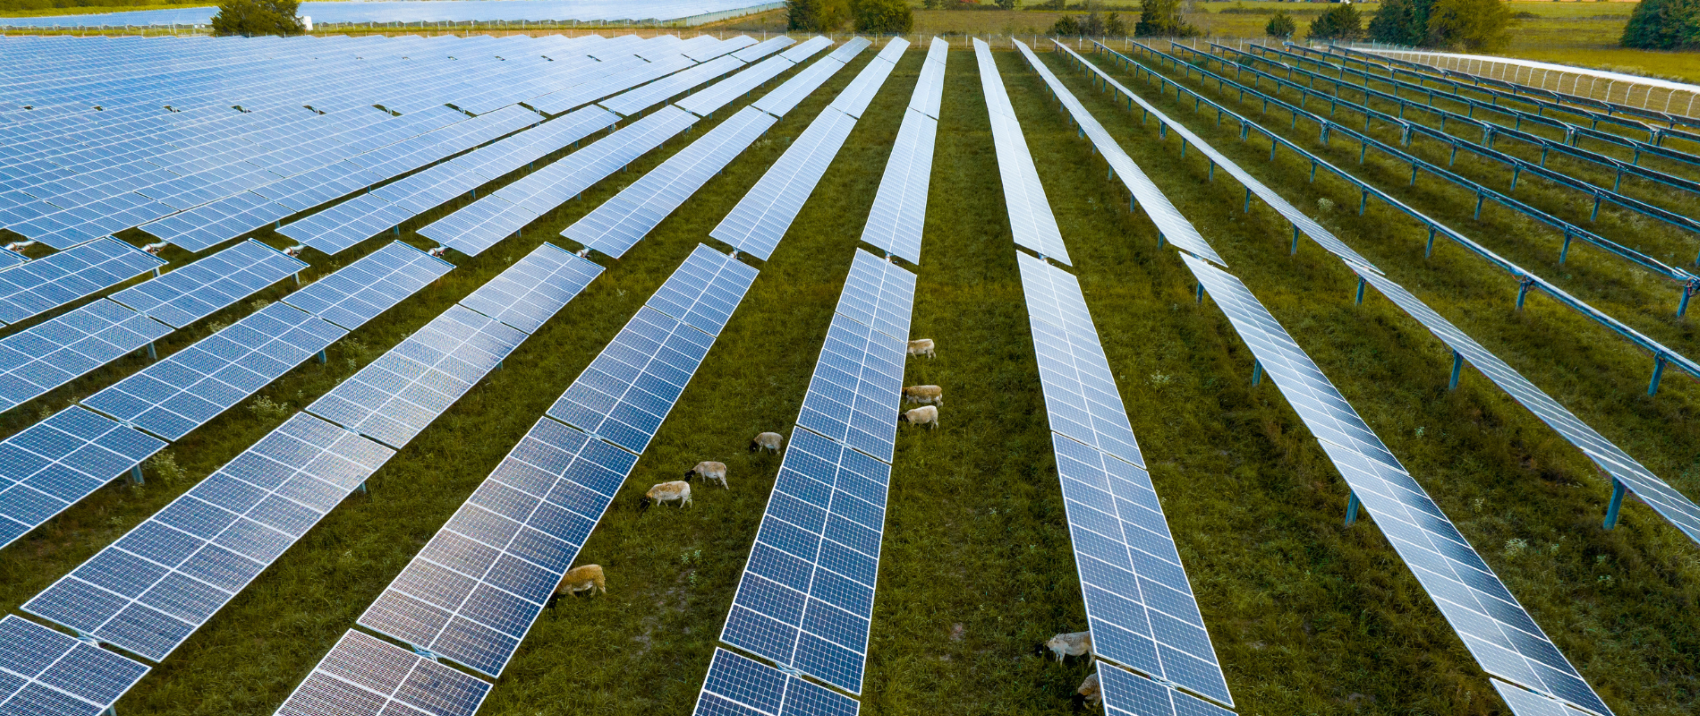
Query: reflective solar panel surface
point(478, 586)
point(413, 11)
point(761, 218)
point(929, 88)
point(1529, 703)
point(151, 590)
point(45, 672)
point(364, 675)
point(720, 94)
point(855, 393)
point(534, 288)
point(195, 291)
point(1030, 217)
point(54, 353)
point(855, 98)
point(807, 595)
point(358, 292)
point(1496, 629)
point(1126, 694)
point(636, 100)
point(196, 384)
point(50, 282)
point(740, 686)
point(793, 91)
point(764, 48)
point(900, 207)
point(704, 290)
point(47, 467)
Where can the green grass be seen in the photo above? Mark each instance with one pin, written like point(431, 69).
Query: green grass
point(1307, 616)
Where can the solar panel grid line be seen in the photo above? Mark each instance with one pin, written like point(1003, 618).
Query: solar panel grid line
point(854, 393)
point(362, 290)
point(1499, 633)
point(759, 221)
point(53, 464)
point(740, 686)
point(152, 589)
point(537, 287)
point(1126, 694)
point(365, 675)
point(1030, 218)
point(720, 94)
point(45, 672)
point(199, 289)
point(58, 351)
point(897, 219)
point(634, 101)
point(30, 289)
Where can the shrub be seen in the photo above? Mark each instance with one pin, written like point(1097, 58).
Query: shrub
point(1340, 23)
point(257, 17)
point(1007, 4)
point(816, 15)
point(1663, 25)
point(883, 16)
point(269, 410)
point(1401, 22)
point(1281, 26)
point(165, 469)
point(1471, 24)
point(1162, 18)
point(1091, 25)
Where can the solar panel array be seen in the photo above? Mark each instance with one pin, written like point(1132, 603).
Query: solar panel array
point(900, 206)
point(854, 395)
point(1496, 629)
point(740, 686)
point(527, 294)
point(151, 590)
point(626, 393)
point(30, 289)
point(45, 672)
point(58, 351)
point(854, 99)
point(364, 675)
point(51, 465)
point(360, 291)
point(407, 13)
point(787, 96)
point(195, 291)
point(708, 101)
point(1128, 695)
point(1030, 218)
point(619, 223)
point(636, 100)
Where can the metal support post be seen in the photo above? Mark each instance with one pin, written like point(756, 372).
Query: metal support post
point(1457, 368)
point(1429, 251)
point(1159, 239)
point(362, 488)
point(1256, 372)
point(136, 475)
point(153, 354)
point(1658, 372)
point(1352, 505)
point(1295, 249)
point(1617, 490)
point(1199, 294)
point(1523, 290)
point(1564, 253)
point(323, 358)
point(1360, 299)
point(1688, 290)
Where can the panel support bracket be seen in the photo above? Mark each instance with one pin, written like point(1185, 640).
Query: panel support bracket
point(1457, 367)
point(136, 475)
point(1256, 372)
point(1352, 505)
point(1617, 490)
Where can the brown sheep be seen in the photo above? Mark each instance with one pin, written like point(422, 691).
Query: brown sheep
point(924, 394)
point(1066, 645)
point(1089, 694)
point(921, 347)
point(925, 415)
point(666, 492)
point(586, 578)
point(709, 472)
point(770, 442)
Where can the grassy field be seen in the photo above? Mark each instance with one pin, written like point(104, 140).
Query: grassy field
point(1308, 616)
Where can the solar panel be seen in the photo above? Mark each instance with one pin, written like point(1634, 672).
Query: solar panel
point(900, 207)
point(793, 91)
point(740, 686)
point(1128, 695)
point(929, 88)
point(1501, 635)
point(193, 292)
point(49, 466)
point(764, 48)
point(150, 590)
point(42, 285)
point(363, 675)
point(653, 349)
point(1030, 218)
point(761, 218)
point(58, 351)
point(45, 672)
point(724, 92)
point(704, 290)
point(398, 395)
point(636, 100)
point(478, 586)
point(849, 50)
point(360, 291)
point(209, 225)
point(340, 227)
point(807, 595)
point(1529, 703)
point(529, 292)
point(854, 99)
point(194, 385)
point(619, 223)
point(807, 48)
point(879, 295)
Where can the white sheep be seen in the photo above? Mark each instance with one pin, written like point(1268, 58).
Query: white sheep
point(925, 415)
point(709, 472)
point(921, 347)
point(1065, 645)
point(767, 441)
point(924, 394)
point(586, 578)
point(1089, 694)
point(675, 491)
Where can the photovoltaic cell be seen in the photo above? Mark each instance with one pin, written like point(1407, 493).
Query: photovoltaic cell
point(194, 385)
point(1496, 629)
point(807, 595)
point(58, 351)
point(529, 292)
point(929, 89)
point(360, 291)
point(792, 92)
point(900, 207)
point(855, 394)
point(478, 586)
point(761, 218)
point(704, 290)
point(45, 672)
point(724, 92)
point(49, 466)
point(195, 291)
point(1126, 694)
point(1030, 218)
point(364, 676)
point(151, 590)
point(879, 295)
point(740, 686)
point(855, 98)
point(42, 285)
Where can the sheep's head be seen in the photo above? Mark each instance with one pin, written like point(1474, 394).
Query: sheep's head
point(903, 417)
point(690, 474)
point(643, 505)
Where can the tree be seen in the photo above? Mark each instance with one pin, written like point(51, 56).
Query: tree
point(1402, 22)
point(1008, 4)
point(883, 16)
point(1055, 4)
point(1281, 26)
point(257, 17)
point(1341, 23)
point(1065, 26)
point(1663, 25)
point(816, 15)
point(1091, 25)
point(1162, 18)
point(1482, 25)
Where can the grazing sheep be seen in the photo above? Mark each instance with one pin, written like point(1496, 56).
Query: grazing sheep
point(1089, 694)
point(1065, 645)
point(666, 492)
point(921, 347)
point(586, 578)
point(767, 441)
point(924, 394)
point(709, 472)
point(925, 415)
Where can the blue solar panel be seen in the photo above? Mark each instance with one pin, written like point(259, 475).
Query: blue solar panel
point(1126, 694)
point(740, 686)
point(151, 590)
point(704, 290)
point(855, 393)
point(183, 392)
point(196, 291)
point(534, 289)
point(360, 291)
point(48, 466)
point(475, 590)
point(44, 284)
point(46, 673)
point(762, 217)
point(879, 295)
point(54, 353)
point(363, 675)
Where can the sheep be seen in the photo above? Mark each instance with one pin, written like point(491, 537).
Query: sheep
point(666, 492)
point(924, 394)
point(1089, 694)
point(1066, 645)
point(709, 472)
point(925, 415)
point(767, 441)
point(921, 347)
point(586, 578)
